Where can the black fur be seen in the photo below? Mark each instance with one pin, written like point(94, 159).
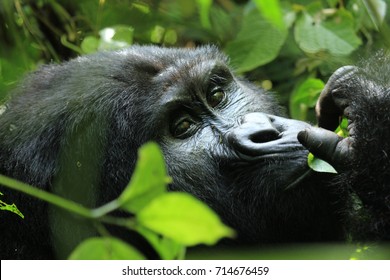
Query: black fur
point(74, 129)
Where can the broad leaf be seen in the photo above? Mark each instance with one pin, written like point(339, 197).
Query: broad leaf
point(316, 32)
point(257, 43)
point(271, 10)
point(184, 219)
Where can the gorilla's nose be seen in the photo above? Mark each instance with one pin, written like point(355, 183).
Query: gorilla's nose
point(254, 134)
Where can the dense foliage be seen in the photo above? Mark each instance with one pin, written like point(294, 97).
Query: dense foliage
point(288, 46)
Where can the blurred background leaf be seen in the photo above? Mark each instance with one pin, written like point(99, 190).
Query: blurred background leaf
point(278, 43)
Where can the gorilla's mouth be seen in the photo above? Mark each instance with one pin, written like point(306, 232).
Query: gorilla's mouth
point(284, 169)
point(291, 166)
point(279, 152)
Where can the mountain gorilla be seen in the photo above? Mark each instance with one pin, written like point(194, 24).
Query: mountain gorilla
point(74, 129)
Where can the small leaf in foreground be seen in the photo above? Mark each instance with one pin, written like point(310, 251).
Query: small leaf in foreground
point(105, 248)
point(184, 219)
point(11, 208)
point(320, 165)
point(342, 129)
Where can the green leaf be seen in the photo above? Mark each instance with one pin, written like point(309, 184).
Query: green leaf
point(317, 32)
point(319, 165)
point(342, 129)
point(149, 179)
point(270, 9)
point(105, 248)
point(184, 219)
point(11, 208)
point(90, 44)
point(333, 3)
point(157, 34)
point(167, 248)
point(304, 97)
point(170, 37)
point(257, 43)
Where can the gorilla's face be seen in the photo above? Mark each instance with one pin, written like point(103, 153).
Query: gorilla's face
point(224, 142)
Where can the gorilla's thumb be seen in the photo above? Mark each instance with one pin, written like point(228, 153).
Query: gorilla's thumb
point(322, 143)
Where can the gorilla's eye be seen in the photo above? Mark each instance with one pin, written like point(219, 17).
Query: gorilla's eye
point(215, 97)
point(181, 128)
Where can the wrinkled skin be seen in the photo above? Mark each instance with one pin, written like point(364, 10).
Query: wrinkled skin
point(74, 129)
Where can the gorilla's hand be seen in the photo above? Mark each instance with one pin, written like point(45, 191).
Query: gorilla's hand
point(333, 103)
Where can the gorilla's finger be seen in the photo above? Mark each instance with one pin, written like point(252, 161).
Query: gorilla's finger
point(333, 99)
point(326, 145)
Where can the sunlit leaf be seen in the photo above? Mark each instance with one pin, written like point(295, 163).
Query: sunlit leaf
point(184, 219)
point(11, 208)
point(204, 12)
point(149, 179)
point(271, 10)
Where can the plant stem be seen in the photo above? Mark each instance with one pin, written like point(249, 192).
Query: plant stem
point(59, 201)
point(48, 197)
point(105, 209)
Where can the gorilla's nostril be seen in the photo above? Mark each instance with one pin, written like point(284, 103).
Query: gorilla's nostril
point(264, 136)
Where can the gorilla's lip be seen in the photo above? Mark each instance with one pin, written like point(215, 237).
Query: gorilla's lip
point(283, 152)
point(296, 154)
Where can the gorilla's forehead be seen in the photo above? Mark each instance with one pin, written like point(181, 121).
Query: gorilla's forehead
point(191, 76)
point(189, 70)
point(173, 55)
point(173, 64)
